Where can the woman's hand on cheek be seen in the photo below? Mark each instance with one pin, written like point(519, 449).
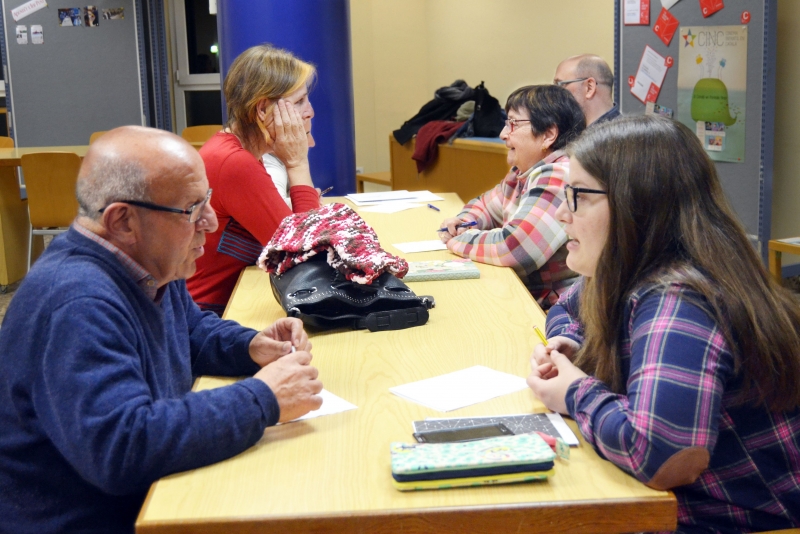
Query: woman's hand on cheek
point(291, 140)
point(550, 381)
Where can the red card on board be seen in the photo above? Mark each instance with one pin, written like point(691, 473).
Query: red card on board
point(652, 93)
point(666, 25)
point(709, 7)
point(645, 16)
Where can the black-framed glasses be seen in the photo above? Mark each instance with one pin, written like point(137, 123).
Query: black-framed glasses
point(562, 83)
point(194, 212)
point(571, 195)
point(513, 123)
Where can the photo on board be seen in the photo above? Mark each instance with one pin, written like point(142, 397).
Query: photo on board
point(90, 16)
point(70, 16)
point(114, 13)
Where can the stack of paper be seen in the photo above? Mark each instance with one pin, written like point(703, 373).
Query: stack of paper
point(405, 197)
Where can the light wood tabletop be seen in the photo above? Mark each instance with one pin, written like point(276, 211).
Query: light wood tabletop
point(333, 474)
point(10, 157)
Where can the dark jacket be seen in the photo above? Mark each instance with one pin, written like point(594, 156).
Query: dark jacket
point(444, 105)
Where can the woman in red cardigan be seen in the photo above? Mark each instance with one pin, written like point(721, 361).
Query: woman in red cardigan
point(266, 92)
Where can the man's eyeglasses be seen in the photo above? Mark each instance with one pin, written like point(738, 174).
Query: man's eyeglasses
point(562, 83)
point(513, 123)
point(194, 212)
point(571, 194)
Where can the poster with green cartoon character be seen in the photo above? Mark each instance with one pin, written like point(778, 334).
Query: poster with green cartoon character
point(712, 86)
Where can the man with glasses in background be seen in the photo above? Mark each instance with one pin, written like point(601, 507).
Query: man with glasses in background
point(102, 342)
point(591, 82)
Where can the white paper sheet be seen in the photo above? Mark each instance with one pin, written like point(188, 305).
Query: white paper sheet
point(652, 70)
point(421, 246)
point(368, 199)
point(23, 10)
point(667, 4)
point(391, 207)
point(632, 12)
point(461, 388)
point(331, 404)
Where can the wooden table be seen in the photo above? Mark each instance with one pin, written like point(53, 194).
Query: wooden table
point(332, 474)
point(468, 167)
point(14, 222)
point(776, 249)
point(11, 157)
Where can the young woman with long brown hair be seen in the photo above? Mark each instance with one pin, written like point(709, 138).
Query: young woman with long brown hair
point(677, 354)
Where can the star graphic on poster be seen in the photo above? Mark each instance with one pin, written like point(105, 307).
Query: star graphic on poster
point(689, 38)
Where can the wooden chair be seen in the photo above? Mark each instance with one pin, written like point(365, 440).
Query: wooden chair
point(382, 178)
point(95, 136)
point(197, 135)
point(50, 182)
point(6, 142)
point(775, 249)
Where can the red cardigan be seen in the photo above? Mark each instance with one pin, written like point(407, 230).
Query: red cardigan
point(249, 210)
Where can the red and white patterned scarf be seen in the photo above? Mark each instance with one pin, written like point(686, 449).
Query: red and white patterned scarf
point(351, 244)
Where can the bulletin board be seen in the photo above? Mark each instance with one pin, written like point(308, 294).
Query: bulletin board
point(723, 93)
point(79, 79)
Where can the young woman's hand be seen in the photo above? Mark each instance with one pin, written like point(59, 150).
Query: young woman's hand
point(564, 345)
point(550, 381)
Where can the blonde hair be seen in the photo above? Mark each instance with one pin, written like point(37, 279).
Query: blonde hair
point(260, 72)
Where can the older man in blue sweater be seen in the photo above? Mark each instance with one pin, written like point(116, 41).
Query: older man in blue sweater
point(101, 343)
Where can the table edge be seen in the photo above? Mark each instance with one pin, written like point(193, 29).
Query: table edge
point(662, 513)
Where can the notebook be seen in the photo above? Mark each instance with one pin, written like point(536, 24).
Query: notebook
point(419, 271)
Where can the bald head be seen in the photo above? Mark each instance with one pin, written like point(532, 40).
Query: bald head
point(591, 66)
point(592, 83)
point(129, 163)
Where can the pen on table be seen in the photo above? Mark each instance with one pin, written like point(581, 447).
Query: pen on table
point(431, 206)
point(327, 190)
point(540, 334)
point(462, 225)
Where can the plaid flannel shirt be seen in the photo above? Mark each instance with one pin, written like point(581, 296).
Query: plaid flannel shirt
point(517, 228)
point(681, 386)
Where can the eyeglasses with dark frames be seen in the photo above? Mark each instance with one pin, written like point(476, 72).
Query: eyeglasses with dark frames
point(513, 123)
point(571, 195)
point(194, 212)
point(562, 83)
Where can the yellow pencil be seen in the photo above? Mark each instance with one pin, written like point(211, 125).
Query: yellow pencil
point(540, 334)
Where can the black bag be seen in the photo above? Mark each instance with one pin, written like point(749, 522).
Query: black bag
point(321, 296)
point(489, 118)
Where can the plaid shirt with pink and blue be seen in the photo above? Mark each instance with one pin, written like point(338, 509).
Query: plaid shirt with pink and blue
point(682, 383)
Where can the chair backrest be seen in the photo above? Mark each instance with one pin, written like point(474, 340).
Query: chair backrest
point(6, 142)
point(50, 182)
point(94, 136)
point(200, 134)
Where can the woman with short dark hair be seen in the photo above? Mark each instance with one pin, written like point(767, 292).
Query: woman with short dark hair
point(677, 354)
point(514, 224)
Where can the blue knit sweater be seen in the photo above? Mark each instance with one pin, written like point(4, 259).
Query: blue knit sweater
point(95, 401)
